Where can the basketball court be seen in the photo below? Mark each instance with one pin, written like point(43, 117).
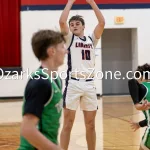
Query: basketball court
point(112, 127)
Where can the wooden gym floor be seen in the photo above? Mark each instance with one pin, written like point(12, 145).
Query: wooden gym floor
point(112, 126)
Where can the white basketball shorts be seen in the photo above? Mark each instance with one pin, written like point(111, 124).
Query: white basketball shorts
point(81, 93)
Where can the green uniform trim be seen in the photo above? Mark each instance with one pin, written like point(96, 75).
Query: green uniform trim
point(146, 136)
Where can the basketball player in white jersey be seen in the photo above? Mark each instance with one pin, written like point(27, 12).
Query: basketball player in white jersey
point(80, 88)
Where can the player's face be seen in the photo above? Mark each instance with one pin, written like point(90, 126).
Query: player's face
point(61, 51)
point(76, 27)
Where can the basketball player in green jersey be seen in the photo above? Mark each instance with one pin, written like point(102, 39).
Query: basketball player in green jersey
point(140, 93)
point(43, 96)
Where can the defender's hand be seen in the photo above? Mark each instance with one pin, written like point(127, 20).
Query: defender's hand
point(134, 125)
point(59, 148)
point(144, 106)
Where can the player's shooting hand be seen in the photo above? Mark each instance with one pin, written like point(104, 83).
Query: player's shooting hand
point(134, 125)
point(90, 1)
point(72, 1)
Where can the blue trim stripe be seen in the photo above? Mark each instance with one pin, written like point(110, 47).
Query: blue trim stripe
point(84, 7)
point(91, 39)
point(68, 72)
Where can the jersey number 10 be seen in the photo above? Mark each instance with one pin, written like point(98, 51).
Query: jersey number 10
point(86, 55)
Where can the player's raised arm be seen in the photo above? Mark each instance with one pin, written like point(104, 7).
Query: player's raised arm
point(64, 16)
point(101, 21)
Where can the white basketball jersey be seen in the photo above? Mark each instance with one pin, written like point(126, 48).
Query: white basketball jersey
point(81, 57)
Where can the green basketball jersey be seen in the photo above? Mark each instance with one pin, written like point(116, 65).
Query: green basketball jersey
point(147, 96)
point(49, 123)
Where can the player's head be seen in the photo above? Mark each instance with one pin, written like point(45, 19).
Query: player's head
point(49, 44)
point(143, 72)
point(76, 25)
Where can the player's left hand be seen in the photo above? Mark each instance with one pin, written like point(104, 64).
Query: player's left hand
point(148, 104)
point(134, 125)
point(144, 106)
point(90, 1)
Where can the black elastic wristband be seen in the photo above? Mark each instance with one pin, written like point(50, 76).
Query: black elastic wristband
point(143, 123)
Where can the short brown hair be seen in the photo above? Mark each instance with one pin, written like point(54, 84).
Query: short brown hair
point(143, 71)
point(77, 18)
point(42, 39)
